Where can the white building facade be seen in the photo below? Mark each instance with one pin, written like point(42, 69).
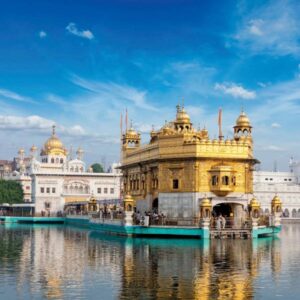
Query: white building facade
point(285, 184)
point(55, 179)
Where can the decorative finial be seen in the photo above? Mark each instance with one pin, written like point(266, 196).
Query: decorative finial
point(53, 129)
point(182, 102)
point(131, 124)
point(242, 108)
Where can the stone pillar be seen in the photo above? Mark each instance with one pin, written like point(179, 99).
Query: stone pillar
point(276, 206)
point(128, 220)
point(205, 216)
point(238, 215)
point(128, 210)
point(254, 208)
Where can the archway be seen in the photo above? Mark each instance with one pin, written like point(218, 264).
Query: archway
point(155, 205)
point(234, 214)
point(224, 209)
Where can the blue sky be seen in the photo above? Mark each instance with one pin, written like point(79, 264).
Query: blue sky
point(79, 64)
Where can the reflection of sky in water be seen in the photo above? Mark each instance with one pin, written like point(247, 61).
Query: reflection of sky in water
point(58, 262)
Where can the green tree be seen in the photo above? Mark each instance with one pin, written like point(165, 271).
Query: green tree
point(11, 192)
point(97, 168)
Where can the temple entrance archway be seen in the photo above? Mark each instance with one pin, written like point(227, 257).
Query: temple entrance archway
point(155, 205)
point(234, 214)
point(224, 209)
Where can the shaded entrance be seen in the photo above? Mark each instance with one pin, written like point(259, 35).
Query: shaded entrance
point(234, 214)
point(155, 205)
point(224, 209)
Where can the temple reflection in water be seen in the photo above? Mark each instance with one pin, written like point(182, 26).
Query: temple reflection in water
point(63, 260)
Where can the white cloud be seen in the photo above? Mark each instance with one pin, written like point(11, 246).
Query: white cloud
point(272, 28)
point(273, 148)
point(86, 34)
point(255, 27)
point(30, 122)
point(115, 93)
point(14, 96)
point(275, 125)
point(42, 34)
point(237, 91)
point(37, 123)
point(75, 130)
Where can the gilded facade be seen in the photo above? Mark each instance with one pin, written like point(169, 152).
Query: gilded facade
point(181, 165)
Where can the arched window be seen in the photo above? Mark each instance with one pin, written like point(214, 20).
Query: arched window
point(214, 180)
point(76, 169)
point(233, 179)
point(267, 212)
point(61, 160)
point(286, 213)
point(52, 160)
point(225, 180)
point(294, 213)
point(299, 213)
point(57, 160)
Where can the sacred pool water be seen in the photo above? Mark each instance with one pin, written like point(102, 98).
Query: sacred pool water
point(64, 262)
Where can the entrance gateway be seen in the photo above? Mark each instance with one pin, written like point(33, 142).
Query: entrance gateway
point(234, 213)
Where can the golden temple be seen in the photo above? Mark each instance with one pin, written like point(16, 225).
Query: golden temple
point(181, 165)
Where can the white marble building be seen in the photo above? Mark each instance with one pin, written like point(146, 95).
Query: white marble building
point(285, 184)
point(55, 179)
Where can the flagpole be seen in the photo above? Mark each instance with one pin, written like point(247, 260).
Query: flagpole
point(220, 125)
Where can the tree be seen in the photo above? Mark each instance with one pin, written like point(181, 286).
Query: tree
point(97, 168)
point(11, 192)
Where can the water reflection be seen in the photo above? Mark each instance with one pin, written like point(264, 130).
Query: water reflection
point(58, 262)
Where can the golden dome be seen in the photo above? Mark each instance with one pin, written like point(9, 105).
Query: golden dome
point(131, 131)
point(182, 116)
point(33, 148)
point(21, 151)
point(128, 198)
point(243, 120)
point(54, 145)
point(254, 202)
point(276, 200)
point(206, 202)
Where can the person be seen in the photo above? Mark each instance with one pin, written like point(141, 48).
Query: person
point(223, 222)
point(218, 223)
